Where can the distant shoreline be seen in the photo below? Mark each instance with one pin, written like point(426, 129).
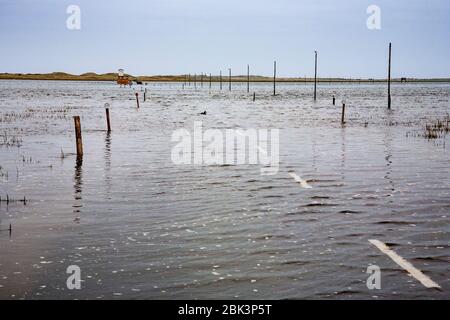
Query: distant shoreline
point(60, 76)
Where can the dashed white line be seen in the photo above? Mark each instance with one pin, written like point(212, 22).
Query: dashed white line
point(413, 271)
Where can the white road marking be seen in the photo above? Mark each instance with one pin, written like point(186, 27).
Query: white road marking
point(413, 271)
point(302, 182)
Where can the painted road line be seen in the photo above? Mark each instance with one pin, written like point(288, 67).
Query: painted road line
point(302, 182)
point(413, 271)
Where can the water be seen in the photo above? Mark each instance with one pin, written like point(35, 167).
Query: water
point(141, 227)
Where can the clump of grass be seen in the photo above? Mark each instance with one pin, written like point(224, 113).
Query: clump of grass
point(437, 129)
point(10, 141)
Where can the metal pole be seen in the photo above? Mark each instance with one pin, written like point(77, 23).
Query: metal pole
point(274, 77)
point(389, 77)
point(315, 77)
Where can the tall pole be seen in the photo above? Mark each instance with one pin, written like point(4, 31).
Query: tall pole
point(274, 77)
point(229, 79)
point(248, 78)
point(315, 77)
point(389, 77)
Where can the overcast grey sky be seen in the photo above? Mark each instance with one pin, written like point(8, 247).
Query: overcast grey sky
point(194, 36)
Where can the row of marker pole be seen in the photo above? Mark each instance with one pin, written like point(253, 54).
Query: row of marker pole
point(79, 141)
point(275, 76)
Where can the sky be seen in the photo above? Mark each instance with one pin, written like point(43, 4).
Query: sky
point(150, 37)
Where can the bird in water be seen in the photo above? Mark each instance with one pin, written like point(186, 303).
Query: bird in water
point(203, 113)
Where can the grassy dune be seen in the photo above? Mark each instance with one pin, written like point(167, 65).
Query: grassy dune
point(91, 76)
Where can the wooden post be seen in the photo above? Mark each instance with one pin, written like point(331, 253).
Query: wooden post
point(145, 93)
point(343, 113)
point(220, 79)
point(248, 78)
point(137, 100)
point(274, 77)
point(78, 138)
point(229, 79)
point(389, 77)
point(334, 100)
point(315, 77)
point(254, 96)
point(108, 123)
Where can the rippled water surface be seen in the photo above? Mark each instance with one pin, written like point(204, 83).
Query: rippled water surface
point(140, 226)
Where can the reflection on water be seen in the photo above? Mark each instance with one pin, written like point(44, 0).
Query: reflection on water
point(78, 184)
point(153, 229)
point(388, 155)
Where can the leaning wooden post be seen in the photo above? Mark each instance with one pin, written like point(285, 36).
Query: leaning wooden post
point(108, 122)
point(315, 77)
point(389, 77)
point(274, 77)
point(229, 79)
point(343, 113)
point(137, 100)
point(248, 78)
point(78, 138)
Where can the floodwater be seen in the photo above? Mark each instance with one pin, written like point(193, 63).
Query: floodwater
point(141, 227)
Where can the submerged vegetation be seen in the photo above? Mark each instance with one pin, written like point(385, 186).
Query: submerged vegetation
point(437, 129)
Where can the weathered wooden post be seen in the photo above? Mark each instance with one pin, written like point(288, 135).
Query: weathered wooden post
point(315, 76)
point(137, 99)
point(229, 79)
point(248, 78)
point(108, 123)
point(389, 77)
point(343, 113)
point(334, 100)
point(79, 141)
point(274, 77)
